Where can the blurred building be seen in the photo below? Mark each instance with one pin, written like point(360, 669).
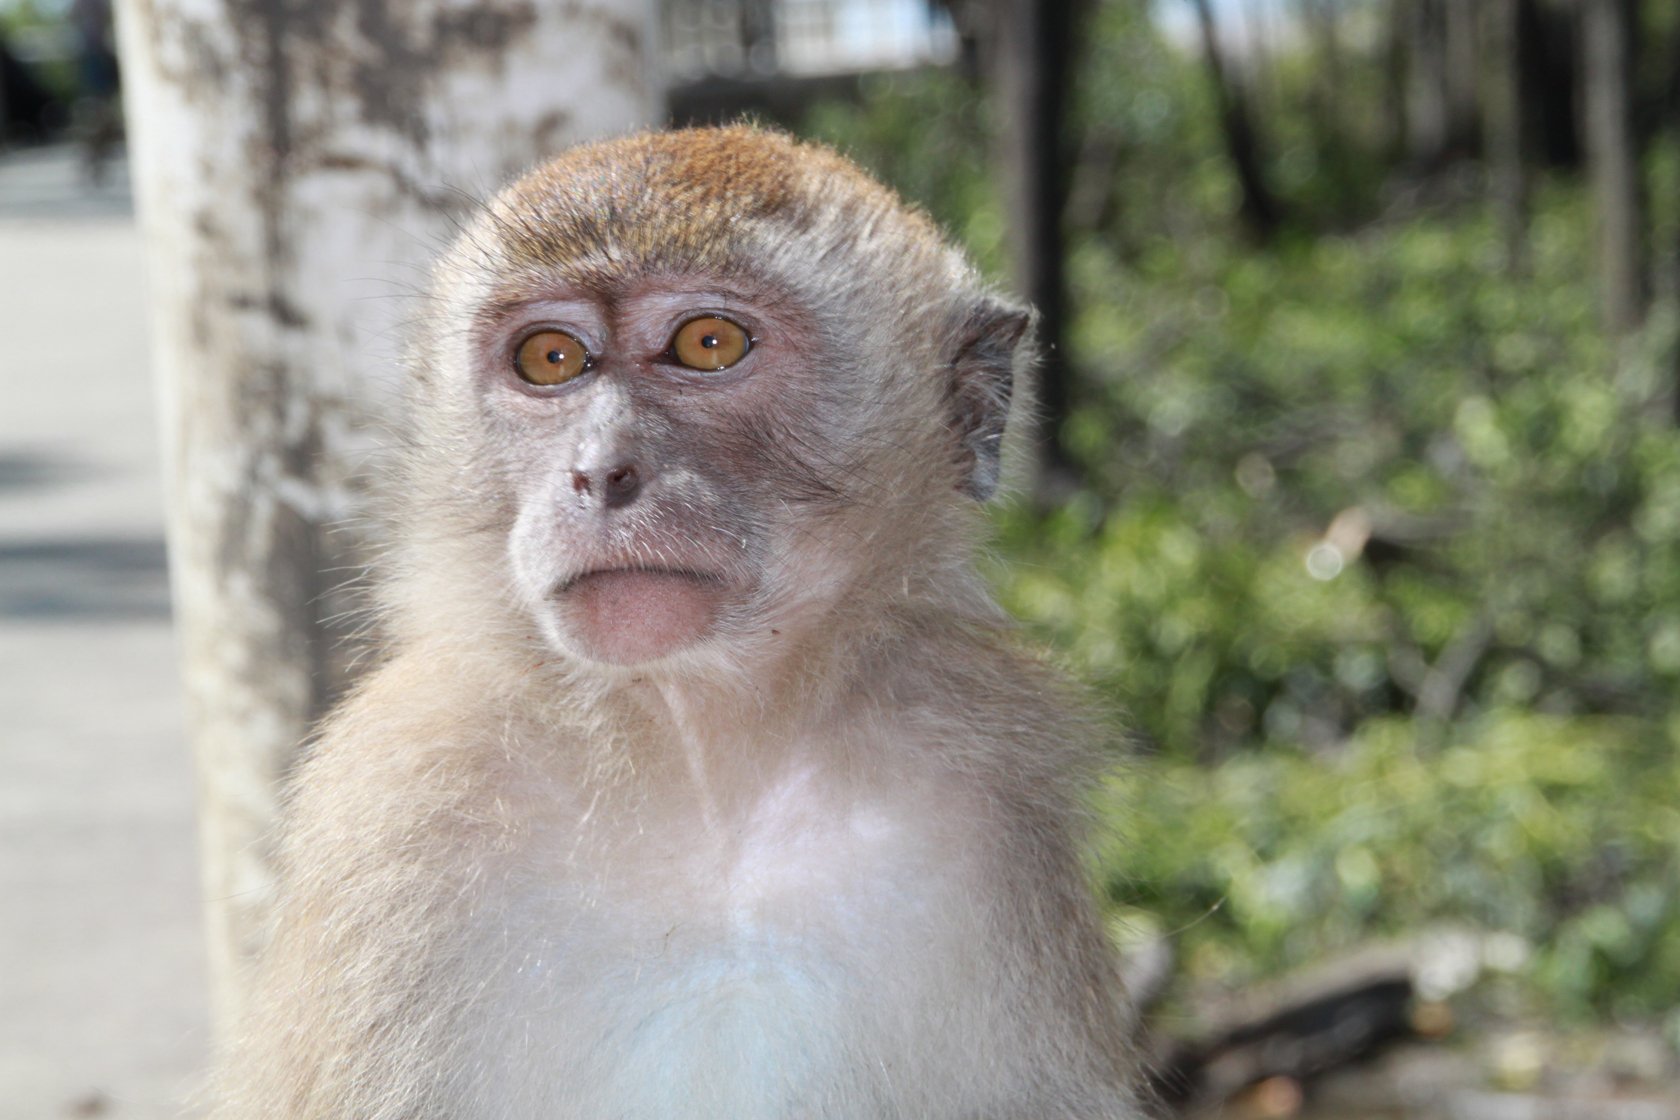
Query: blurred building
point(745, 39)
point(723, 58)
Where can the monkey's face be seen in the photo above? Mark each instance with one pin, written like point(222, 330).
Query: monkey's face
point(663, 449)
point(709, 378)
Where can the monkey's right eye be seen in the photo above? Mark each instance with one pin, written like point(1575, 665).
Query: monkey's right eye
point(550, 358)
point(710, 343)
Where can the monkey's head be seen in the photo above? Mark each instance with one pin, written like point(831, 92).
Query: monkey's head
point(702, 392)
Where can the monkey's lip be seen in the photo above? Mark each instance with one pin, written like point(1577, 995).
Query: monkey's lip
point(637, 570)
point(629, 615)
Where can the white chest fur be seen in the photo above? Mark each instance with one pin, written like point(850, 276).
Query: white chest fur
point(724, 969)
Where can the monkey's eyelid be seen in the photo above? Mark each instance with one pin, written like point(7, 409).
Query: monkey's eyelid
point(671, 350)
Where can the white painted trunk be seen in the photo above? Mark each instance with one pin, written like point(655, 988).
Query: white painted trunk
point(297, 165)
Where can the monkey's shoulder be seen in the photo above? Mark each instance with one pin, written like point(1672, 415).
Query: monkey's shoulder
point(419, 743)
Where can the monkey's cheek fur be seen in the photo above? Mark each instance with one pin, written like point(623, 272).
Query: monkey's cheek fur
point(626, 617)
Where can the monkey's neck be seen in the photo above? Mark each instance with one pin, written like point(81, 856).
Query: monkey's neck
point(725, 732)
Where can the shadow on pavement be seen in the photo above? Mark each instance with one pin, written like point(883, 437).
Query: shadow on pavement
point(107, 578)
point(49, 182)
point(21, 470)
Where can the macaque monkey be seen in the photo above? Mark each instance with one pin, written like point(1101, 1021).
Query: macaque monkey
point(702, 778)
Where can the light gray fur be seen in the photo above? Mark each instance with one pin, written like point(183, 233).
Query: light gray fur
point(822, 863)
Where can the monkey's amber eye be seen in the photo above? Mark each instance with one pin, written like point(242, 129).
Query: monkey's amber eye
point(550, 358)
point(710, 343)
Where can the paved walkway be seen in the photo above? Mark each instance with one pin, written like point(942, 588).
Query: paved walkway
point(102, 997)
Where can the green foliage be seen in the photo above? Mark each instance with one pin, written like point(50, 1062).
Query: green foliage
point(1381, 553)
point(1364, 451)
point(1562, 830)
point(943, 169)
point(1379, 547)
point(44, 24)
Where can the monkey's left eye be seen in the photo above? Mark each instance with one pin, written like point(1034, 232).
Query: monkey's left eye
point(710, 343)
point(550, 358)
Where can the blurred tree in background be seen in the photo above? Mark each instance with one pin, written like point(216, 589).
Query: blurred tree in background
point(1371, 336)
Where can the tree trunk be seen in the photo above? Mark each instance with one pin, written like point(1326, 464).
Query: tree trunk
point(1396, 119)
point(1428, 116)
point(1464, 61)
point(1617, 195)
point(1505, 132)
point(1550, 34)
point(291, 161)
point(1325, 19)
point(1322, 18)
point(1260, 212)
point(1031, 50)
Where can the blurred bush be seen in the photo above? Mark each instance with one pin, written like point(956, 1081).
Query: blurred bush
point(1378, 546)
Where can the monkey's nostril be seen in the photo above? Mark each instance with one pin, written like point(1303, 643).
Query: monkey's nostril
point(623, 483)
point(616, 486)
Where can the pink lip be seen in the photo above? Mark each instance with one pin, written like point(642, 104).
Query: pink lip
point(632, 615)
point(698, 577)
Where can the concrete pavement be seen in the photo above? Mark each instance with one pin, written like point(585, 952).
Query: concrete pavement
point(102, 994)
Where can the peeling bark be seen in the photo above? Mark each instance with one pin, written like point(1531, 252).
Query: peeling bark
point(297, 163)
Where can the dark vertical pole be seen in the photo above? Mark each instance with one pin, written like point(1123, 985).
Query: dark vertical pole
point(1463, 60)
point(1032, 46)
point(1428, 116)
point(1505, 132)
point(1617, 194)
point(1260, 212)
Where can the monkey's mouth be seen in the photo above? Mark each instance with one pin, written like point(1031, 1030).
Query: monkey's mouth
point(654, 573)
point(635, 614)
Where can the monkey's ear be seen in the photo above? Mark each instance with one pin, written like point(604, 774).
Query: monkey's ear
point(982, 383)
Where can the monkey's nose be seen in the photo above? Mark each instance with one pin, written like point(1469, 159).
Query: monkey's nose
point(613, 487)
